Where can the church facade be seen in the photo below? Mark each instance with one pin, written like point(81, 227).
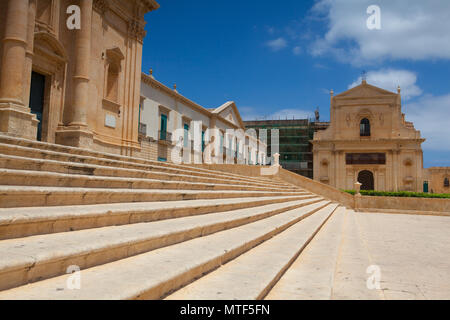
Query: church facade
point(77, 87)
point(369, 140)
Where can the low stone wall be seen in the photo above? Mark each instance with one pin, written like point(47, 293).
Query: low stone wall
point(402, 204)
point(319, 188)
point(362, 203)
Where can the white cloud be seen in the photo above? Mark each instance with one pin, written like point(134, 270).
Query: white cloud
point(297, 50)
point(410, 29)
point(431, 114)
point(277, 44)
point(390, 79)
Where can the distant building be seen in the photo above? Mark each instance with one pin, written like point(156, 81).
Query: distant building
point(163, 110)
point(437, 179)
point(369, 141)
point(295, 148)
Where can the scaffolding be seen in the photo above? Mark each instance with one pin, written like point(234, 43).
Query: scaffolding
point(295, 148)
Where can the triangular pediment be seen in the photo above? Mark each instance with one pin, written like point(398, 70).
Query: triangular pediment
point(365, 90)
point(230, 112)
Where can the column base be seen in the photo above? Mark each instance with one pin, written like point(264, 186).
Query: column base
point(17, 121)
point(80, 137)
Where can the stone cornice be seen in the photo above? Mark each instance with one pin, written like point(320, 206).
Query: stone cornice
point(150, 4)
point(378, 97)
point(440, 169)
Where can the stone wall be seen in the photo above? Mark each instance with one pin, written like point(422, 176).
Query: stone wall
point(149, 149)
point(319, 188)
point(436, 177)
point(399, 204)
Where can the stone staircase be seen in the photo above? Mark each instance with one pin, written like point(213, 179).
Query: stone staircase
point(142, 229)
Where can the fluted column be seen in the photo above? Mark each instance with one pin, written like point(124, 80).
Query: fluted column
point(12, 82)
point(82, 59)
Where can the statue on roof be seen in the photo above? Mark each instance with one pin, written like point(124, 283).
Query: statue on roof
point(317, 114)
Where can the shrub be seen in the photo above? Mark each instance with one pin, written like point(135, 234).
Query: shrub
point(401, 194)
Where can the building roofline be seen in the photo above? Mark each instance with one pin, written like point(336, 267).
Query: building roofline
point(155, 83)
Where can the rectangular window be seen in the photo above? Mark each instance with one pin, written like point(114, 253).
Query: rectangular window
point(163, 132)
point(186, 135)
point(365, 158)
point(203, 141)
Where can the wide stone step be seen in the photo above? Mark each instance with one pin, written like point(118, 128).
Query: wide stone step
point(154, 274)
point(51, 179)
point(40, 257)
point(318, 259)
point(22, 222)
point(253, 271)
point(21, 163)
point(40, 150)
point(31, 196)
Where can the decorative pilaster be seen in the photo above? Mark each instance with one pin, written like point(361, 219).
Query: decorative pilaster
point(136, 31)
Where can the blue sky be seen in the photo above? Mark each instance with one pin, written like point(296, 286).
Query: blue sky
point(280, 59)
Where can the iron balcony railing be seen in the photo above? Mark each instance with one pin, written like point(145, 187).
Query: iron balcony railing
point(143, 129)
point(165, 136)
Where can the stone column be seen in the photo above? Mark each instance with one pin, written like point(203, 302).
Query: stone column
point(77, 133)
point(12, 82)
point(15, 116)
point(29, 51)
point(82, 59)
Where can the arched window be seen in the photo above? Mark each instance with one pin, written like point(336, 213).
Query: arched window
point(446, 183)
point(365, 128)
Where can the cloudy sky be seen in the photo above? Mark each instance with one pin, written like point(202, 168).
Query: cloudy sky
point(280, 59)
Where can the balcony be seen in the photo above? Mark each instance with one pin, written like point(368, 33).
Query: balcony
point(165, 137)
point(143, 129)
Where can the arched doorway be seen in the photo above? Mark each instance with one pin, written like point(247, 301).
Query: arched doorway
point(366, 179)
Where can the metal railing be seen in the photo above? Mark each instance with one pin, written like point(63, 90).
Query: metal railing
point(165, 136)
point(142, 129)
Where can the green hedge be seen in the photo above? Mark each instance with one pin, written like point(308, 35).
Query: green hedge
point(401, 194)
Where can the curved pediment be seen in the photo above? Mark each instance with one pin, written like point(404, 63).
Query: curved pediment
point(49, 45)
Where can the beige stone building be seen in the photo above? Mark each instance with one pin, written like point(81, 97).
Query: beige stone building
point(78, 87)
point(437, 179)
point(369, 141)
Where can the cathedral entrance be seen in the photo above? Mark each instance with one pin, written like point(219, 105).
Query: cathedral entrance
point(366, 179)
point(37, 93)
